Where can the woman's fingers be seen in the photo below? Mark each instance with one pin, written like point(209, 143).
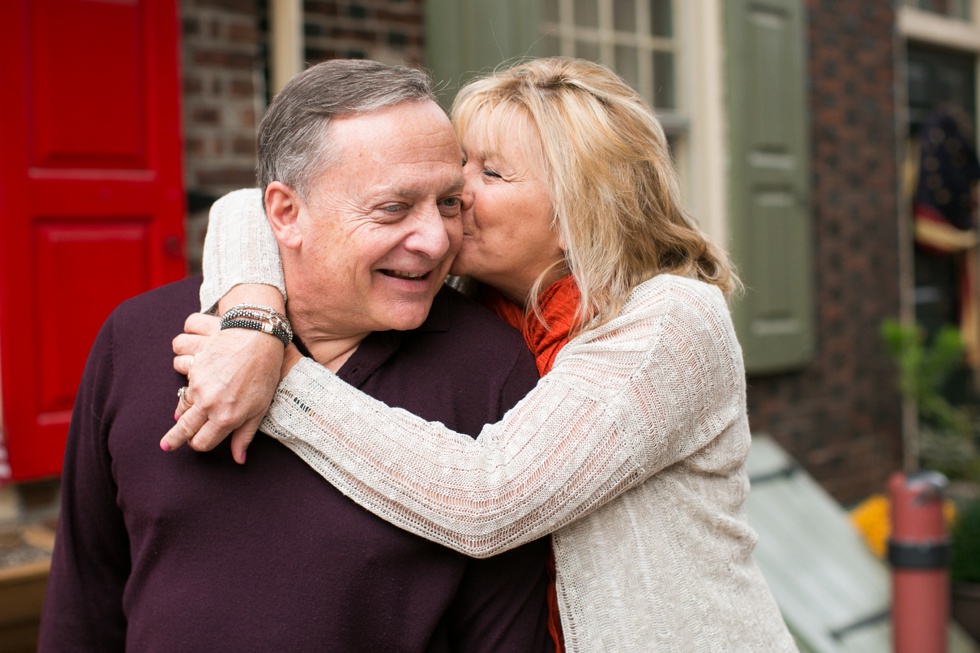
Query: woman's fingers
point(232, 375)
point(182, 363)
point(208, 436)
point(242, 437)
point(189, 344)
point(187, 426)
point(197, 329)
point(201, 324)
point(200, 433)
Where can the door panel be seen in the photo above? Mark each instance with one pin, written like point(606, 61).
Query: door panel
point(61, 249)
point(770, 199)
point(96, 119)
point(91, 196)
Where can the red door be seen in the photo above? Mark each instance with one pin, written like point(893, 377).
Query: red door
point(91, 198)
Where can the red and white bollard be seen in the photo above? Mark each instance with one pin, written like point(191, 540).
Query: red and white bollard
point(918, 551)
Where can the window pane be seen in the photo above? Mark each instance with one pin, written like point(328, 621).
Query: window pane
point(661, 18)
point(586, 13)
point(663, 80)
point(587, 50)
point(624, 15)
point(549, 10)
point(627, 65)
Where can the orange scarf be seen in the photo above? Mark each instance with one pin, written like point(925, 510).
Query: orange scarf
point(559, 304)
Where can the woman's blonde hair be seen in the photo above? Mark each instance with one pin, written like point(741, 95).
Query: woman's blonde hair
point(614, 189)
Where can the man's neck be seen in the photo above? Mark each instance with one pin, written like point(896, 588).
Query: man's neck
point(327, 345)
point(332, 353)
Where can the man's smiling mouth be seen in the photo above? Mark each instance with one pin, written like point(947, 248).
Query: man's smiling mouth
point(398, 274)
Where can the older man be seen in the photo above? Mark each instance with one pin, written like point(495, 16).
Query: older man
point(191, 552)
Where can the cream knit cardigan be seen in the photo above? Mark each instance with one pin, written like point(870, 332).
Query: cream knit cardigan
point(630, 452)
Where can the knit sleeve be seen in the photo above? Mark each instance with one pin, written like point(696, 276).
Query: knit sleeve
point(239, 247)
point(623, 401)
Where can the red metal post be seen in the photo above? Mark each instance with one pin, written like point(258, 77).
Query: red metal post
point(918, 551)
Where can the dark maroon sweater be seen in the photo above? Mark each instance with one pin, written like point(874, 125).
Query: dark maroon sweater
point(189, 551)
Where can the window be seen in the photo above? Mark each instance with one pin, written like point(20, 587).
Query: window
point(637, 39)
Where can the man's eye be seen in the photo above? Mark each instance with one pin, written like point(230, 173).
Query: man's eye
point(450, 205)
point(392, 208)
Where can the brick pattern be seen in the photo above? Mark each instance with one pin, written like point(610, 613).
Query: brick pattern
point(840, 417)
point(391, 31)
point(223, 71)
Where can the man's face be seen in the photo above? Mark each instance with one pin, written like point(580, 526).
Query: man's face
point(381, 225)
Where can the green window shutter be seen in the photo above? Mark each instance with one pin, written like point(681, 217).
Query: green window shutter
point(467, 37)
point(769, 181)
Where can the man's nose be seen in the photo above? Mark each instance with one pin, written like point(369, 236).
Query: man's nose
point(467, 196)
point(429, 236)
point(469, 187)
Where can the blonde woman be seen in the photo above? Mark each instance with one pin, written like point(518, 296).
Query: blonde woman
point(631, 449)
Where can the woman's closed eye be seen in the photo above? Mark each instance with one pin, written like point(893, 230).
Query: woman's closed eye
point(487, 172)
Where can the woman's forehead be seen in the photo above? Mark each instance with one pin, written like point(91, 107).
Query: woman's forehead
point(501, 130)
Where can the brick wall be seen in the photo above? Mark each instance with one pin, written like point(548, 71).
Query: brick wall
point(224, 94)
point(841, 415)
point(384, 30)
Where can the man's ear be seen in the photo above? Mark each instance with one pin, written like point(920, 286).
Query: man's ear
point(282, 207)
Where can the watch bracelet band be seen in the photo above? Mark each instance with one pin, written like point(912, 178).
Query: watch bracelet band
point(263, 314)
point(265, 327)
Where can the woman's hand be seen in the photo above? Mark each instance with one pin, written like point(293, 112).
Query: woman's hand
point(232, 375)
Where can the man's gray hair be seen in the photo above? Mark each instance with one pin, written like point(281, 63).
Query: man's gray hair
point(292, 143)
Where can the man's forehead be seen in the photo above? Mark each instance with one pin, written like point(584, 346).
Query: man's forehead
point(403, 119)
point(406, 149)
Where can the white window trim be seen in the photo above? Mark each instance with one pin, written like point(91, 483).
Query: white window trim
point(932, 28)
point(701, 80)
point(286, 41)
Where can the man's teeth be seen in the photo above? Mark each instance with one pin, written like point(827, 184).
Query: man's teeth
point(406, 275)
